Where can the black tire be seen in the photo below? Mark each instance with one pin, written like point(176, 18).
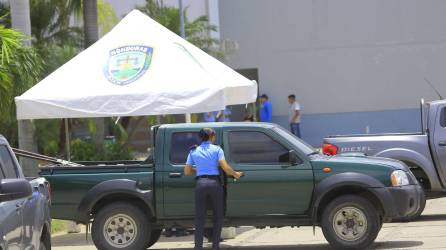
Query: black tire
point(154, 237)
point(43, 245)
point(360, 212)
point(45, 240)
point(134, 227)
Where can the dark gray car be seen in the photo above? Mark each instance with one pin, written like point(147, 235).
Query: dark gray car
point(24, 206)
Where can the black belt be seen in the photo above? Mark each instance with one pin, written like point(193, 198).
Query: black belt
point(213, 177)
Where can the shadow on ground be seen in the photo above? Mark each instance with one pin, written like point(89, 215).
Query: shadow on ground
point(76, 239)
point(378, 245)
point(432, 217)
point(79, 240)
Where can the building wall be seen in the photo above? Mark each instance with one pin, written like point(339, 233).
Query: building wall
point(352, 64)
point(194, 8)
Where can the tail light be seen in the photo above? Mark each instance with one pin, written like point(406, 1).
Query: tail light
point(329, 149)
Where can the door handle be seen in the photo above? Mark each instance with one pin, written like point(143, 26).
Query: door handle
point(175, 175)
point(442, 144)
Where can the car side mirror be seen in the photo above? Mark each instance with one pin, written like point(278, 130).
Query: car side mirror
point(294, 160)
point(14, 189)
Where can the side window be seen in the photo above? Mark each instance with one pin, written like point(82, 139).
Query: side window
point(443, 117)
point(2, 173)
point(255, 147)
point(7, 164)
point(181, 144)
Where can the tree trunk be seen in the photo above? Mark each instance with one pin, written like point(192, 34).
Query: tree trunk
point(20, 18)
point(21, 21)
point(91, 28)
point(91, 35)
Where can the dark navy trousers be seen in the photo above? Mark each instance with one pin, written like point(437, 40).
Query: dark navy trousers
point(208, 189)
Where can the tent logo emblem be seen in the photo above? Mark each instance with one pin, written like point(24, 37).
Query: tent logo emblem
point(126, 64)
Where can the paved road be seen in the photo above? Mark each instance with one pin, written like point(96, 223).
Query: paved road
point(427, 233)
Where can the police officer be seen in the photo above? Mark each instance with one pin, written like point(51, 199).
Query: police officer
point(207, 158)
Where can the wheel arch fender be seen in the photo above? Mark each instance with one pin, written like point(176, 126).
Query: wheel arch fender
point(408, 155)
point(117, 187)
point(348, 183)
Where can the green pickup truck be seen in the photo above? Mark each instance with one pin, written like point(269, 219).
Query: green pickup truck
point(286, 183)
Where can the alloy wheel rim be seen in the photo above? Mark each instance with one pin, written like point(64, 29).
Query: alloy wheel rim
point(120, 230)
point(350, 223)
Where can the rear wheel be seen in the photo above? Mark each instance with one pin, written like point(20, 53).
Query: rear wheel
point(121, 225)
point(350, 222)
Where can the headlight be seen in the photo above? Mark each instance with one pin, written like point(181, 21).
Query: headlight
point(399, 178)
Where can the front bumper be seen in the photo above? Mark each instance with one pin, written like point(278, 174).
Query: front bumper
point(400, 201)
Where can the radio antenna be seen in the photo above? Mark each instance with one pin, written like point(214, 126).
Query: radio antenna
point(432, 86)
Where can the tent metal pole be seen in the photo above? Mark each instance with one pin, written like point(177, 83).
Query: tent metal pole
point(67, 140)
point(180, 7)
point(183, 35)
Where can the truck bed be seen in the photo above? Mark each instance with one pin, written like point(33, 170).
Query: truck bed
point(70, 184)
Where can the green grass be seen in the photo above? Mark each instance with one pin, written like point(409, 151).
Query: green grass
point(58, 226)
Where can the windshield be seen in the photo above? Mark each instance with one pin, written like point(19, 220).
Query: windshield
point(306, 148)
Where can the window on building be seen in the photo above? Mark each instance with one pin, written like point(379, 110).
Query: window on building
point(253, 147)
point(7, 164)
point(181, 144)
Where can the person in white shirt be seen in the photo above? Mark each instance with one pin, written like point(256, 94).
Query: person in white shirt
point(294, 114)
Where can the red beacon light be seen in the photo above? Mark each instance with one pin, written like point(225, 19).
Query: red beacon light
point(329, 149)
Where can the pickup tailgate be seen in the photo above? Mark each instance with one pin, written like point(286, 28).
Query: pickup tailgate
point(69, 185)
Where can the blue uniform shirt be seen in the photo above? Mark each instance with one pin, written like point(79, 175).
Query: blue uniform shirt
point(266, 112)
point(205, 158)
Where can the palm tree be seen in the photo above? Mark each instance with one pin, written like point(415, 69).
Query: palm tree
point(91, 35)
point(20, 67)
point(197, 31)
point(90, 15)
point(24, 68)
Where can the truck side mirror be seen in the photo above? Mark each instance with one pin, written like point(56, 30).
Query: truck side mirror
point(294, 160)
point(14, 189)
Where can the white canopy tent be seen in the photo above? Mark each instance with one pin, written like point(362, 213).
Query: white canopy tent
point(138, 68)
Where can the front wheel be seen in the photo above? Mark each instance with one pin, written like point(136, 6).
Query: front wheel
point(350, 222)
point(122, 226)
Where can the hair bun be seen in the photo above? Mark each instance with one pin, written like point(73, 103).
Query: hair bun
point(206, 133)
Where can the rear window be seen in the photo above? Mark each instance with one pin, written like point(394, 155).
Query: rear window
point(181, 144)
point(7, 164)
